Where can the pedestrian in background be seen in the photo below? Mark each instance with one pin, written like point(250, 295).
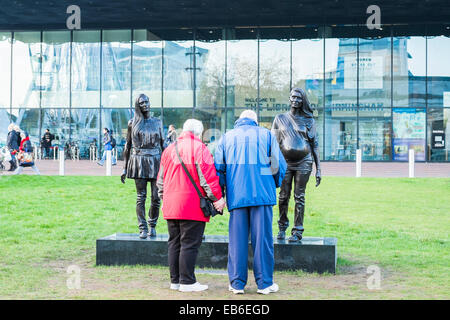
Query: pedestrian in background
point(46, 143)
point(181, 203)
point(25, 155)
point(171, 136)
point(13, 145)
point(107, 147)
point(250, 167)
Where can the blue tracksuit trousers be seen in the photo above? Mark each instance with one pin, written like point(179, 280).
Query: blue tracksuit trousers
point(256, 221)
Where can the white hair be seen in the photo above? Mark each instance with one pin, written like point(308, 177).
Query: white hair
point(193, 125)
point(249, 114)
point(11, 127)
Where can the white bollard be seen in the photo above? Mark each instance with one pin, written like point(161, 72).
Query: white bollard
point(411, 163)
point(108, 163)
point(358, 163)
point(61, 162)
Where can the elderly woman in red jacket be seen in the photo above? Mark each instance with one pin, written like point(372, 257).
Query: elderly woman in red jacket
point(181, 202)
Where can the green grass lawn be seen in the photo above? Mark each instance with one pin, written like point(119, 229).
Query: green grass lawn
point(401, 225)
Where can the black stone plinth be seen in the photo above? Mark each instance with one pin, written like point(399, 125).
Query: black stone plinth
point(310, 255)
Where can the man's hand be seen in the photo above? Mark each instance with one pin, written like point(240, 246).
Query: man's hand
point(123, 176)
point(318, 178)
point(219, 204)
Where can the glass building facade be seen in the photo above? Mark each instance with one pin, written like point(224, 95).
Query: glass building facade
point(383, 94)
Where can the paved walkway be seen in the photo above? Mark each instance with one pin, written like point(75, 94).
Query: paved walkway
point(342, 169)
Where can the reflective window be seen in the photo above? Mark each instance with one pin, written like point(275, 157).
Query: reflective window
point(116, 69)
point(213, 126)
point(177, 117)
point(28, 120)
point(84, 129)
point(438, 71)
point(117, 121)
point(340, 134)
point(242, 73)
point(4, 123)
point(58, 122)
point(340, 73)
point(438, 134)
point(86, 69)
point(55, 69)
point(409, 133)
point(375, 134)
point(307, 69)
point(409, 71)
point(375, 73)
point(5, 69)
point(147, 64)
point(274, 74)
point(178, 74)
point(210, 75)
point(26, 70)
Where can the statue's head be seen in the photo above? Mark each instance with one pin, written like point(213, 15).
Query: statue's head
point(299, 100)
point(143, 103)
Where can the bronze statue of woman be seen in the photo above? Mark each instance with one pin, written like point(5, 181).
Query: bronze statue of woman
point(142, 156)
point(296, 134)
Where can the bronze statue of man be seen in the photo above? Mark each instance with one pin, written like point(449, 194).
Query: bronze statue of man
point(296, 134)
point(142, 156)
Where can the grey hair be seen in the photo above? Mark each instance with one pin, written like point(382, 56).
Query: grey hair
point(249, 114)
point(193, 125)
point(11, 127)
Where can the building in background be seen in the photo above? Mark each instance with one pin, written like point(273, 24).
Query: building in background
point(382, 91)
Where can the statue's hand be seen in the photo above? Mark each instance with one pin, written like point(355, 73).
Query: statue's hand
point(318, 178)
point(123, 176)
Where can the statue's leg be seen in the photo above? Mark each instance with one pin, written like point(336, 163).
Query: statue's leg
point(153, 212)
point(283, 202)
point(300, 181)
point(141, 190)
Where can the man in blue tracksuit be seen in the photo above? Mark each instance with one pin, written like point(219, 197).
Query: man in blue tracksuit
point(250, 166)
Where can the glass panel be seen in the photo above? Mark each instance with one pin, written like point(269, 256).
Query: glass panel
point(57, 121)
point(28, 120)
point(438, 72)
point(213, 124)
point(178, 74)
point(4, 123)
point(242, 73)
point(375, 134)
point(55, 69)
point(274, 74)
point(438, 134)
point(177, 117)
point(116, 69)
point(409, 133)
point(26, 69)
point(340, 73)
point(5, 69)
point(409, 71)
point(340, 134)
point(86, 69)
point(210, 76)
point(84, 129)
point(375, 73)
point(147, 64)
point(307, 69)
point(117, 121)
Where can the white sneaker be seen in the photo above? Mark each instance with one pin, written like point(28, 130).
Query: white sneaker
point(273, 288)
point(193, 287)
point(235, 291)
point(174, 286)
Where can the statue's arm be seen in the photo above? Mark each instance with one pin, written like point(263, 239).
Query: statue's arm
point(127, 148)
point(316, 153)
point(275, 130)
point(161, 136)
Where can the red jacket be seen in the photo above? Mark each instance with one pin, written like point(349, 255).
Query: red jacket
point(179, 197)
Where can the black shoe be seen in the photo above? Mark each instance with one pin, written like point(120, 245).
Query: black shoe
point(152, 233)
point(281, 235)
point(296, 237)
point(143, 234)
